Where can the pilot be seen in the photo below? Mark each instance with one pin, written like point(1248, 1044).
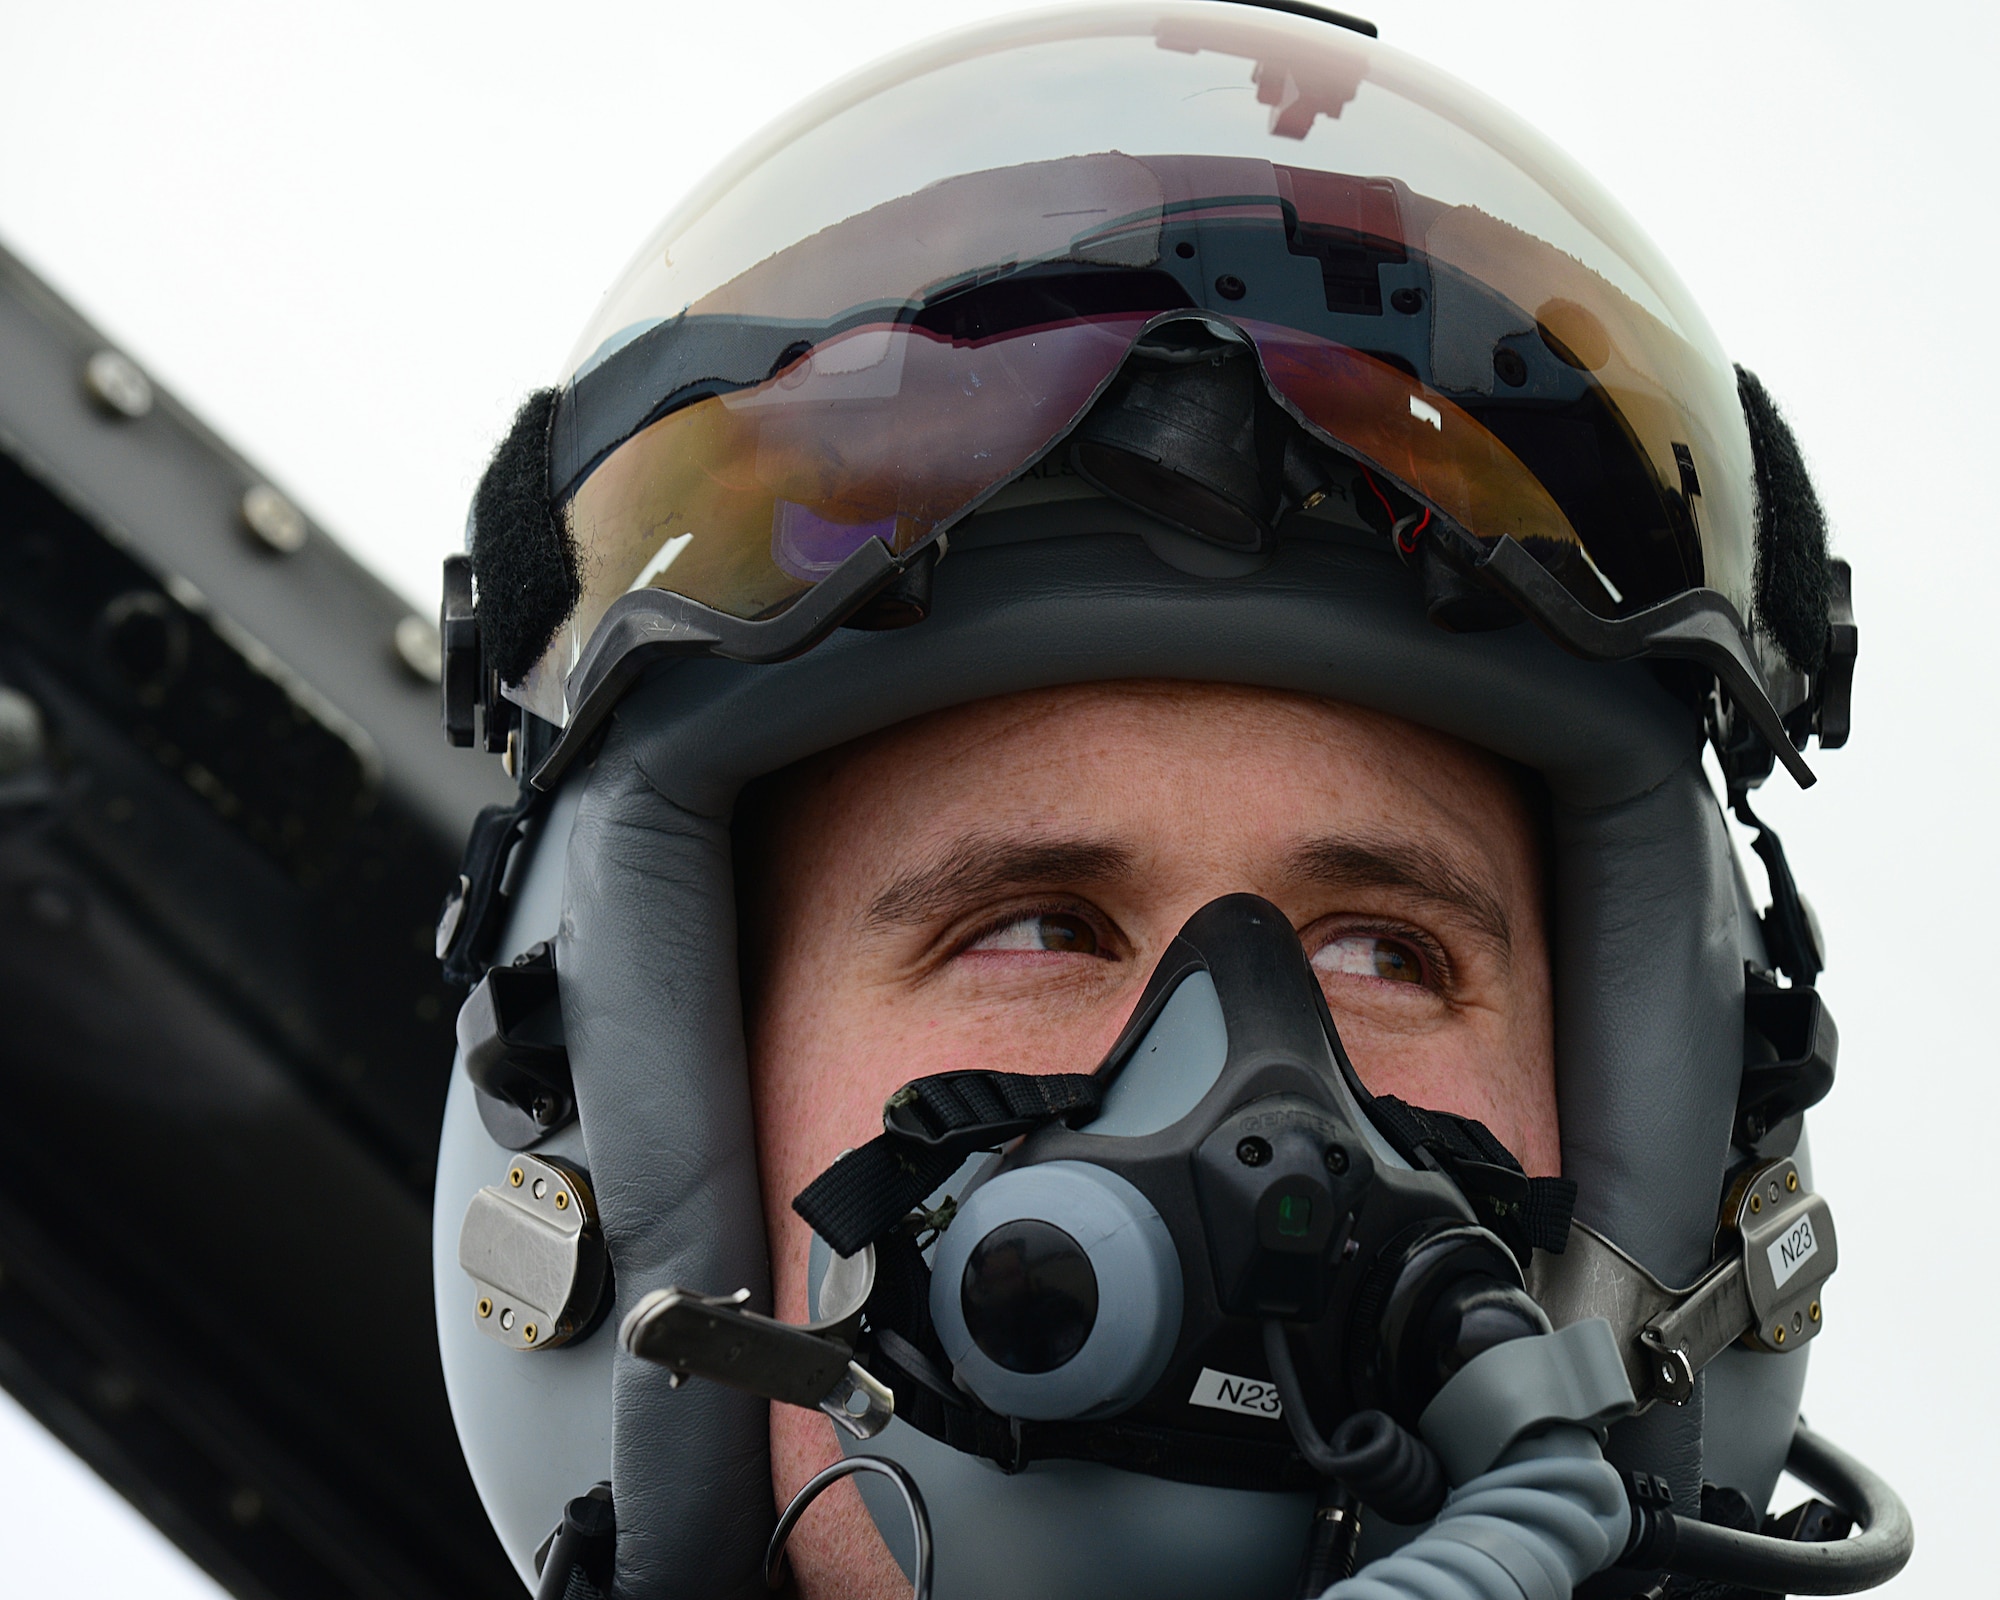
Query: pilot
point(1119, 970)
point(994, 883)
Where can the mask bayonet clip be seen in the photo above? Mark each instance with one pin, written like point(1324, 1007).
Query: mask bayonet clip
point(718, 1338)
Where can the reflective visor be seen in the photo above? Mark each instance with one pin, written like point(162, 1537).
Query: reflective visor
point(741, 500)
point(902, 298)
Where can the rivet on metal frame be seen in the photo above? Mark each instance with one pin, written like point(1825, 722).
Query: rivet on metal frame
point(117, 386)
point(278, 524)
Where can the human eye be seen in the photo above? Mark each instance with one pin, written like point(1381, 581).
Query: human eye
point(1042, 933)
point(1385, 957)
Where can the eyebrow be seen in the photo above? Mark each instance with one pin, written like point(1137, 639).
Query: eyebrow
point(974, 867)
point(982, 865)
point(1427, 874)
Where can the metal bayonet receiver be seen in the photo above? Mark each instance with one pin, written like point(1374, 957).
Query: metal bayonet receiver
point(535, 1253)
point(1778, 1250)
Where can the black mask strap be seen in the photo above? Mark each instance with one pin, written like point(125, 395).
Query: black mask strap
point(1527, 1213)
point(929, 1127)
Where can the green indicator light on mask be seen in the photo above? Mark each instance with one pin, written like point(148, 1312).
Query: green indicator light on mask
point(1295, 1214)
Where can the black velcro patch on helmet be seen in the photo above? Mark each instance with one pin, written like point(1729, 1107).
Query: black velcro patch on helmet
point(522, 558)
point(1794, 587)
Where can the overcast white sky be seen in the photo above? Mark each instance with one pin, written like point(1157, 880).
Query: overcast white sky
point(354, 235)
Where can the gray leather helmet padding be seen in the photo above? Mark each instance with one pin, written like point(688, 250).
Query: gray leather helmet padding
point(647, 956)
point(1647, 955)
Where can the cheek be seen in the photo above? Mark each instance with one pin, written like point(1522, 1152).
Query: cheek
point(815, 1092)
point(1496, 1070)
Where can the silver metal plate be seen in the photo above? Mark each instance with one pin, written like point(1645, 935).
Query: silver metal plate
point(1778, 1249)
point(1789, 1251)
point(531, 1246)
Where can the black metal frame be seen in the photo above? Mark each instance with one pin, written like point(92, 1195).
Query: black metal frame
point(226, 1039)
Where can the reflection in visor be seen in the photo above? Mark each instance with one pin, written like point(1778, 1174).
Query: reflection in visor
point(1495, 378)
point(881, 432)
point(1417, 436)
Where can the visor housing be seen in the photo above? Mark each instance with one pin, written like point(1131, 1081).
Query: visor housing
point(901, 296)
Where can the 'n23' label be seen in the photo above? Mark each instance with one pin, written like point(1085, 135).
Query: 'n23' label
point(1223, 1391)
point(1791, 1250)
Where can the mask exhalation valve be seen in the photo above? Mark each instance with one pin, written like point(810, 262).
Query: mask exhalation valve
point(1029, 1296)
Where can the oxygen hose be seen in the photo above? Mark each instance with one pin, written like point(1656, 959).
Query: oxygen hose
point(1694, 1549)
point(1551, 1512)
point(1544, 1517)
point(1548, 1514)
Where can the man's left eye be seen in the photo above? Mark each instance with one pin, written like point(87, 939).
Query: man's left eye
point(1369, 955)
point(1058, 931)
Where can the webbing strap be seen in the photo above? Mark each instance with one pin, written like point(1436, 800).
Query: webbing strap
point(475, 910)
point(947, 1106)
point(929, 1127)
point(1527, 1213)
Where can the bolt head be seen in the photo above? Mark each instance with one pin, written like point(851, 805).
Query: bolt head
point(117, 386)
point(1336, 1159)
point(1253, 1151)
point(278, 524)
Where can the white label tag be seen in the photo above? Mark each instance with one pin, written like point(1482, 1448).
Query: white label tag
point(1793, 1249)
point(1222, 1391)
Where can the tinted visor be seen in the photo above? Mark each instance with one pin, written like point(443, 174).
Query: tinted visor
point(1486, 333)
point(742, 499)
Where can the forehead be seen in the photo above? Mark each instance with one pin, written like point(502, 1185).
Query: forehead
point(1163, 758)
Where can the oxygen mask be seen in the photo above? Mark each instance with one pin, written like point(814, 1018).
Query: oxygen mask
point(1216, 1261)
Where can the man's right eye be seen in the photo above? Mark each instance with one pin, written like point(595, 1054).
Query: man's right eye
point(1062, 932)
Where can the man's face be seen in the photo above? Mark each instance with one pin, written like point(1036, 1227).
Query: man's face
point(992, 886)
